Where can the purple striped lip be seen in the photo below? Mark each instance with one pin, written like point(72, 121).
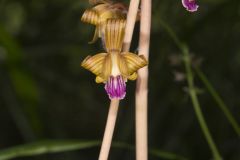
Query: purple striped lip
point(190, 5)
point(116, 87)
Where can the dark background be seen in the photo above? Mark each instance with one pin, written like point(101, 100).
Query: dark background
point(45, 94)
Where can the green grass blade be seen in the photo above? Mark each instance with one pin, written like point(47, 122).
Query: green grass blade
point(192, 90)
point(165, 155)
point(44, 147)
point(56, 146)
point(218, 100)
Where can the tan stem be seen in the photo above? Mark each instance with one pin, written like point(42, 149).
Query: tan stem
point(131, 19)
point(108, 134)
point(142, 84)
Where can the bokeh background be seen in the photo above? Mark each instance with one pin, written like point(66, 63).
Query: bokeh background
point(45, 94)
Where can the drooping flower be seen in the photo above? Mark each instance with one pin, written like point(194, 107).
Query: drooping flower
point(190, 5)
point(115, 67)
point(100, 13)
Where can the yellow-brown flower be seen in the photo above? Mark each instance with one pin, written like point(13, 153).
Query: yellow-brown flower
point(115, 67)
point(100, 13)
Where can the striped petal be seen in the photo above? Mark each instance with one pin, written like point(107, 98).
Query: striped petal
point(134, 63)
point(114, 33)
point(95, 63)
point(90, 16)
point(107, 67)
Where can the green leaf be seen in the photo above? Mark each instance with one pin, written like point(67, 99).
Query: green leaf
point(56, 146)
point(221, 104)
point(44, 147)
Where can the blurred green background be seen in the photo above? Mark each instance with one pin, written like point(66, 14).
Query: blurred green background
point(45, 94)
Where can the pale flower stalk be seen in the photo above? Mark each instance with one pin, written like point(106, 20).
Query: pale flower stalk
point(142, 84)
point(132, 16)
point(108, 134)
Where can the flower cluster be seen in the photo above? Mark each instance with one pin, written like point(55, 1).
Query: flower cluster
point(114, 67)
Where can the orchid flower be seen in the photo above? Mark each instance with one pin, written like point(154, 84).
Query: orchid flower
point(190, 5)
point(100, 13)
point(115, 67)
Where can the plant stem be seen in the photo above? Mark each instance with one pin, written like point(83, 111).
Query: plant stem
point(108, 134)
point(192, 91)
point(106, 144)
point(218, 100)
point(131, 19)
point(196, 105)
point(142, 84)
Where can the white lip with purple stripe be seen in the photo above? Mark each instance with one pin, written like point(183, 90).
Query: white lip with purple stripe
point(116, 87)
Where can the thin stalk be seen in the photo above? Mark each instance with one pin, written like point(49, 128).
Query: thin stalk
point(131, 19)
point(193, 92)
point(196, 105)
point(208, 85)
point(142, 84)
point(108, 134)
point(114, 105)
point(218, 100)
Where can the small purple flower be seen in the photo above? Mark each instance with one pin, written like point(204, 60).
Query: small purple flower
point(190, 5)
point(116, 87)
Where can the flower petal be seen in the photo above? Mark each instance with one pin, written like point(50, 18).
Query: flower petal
point(107, 67)
point(116, 87)
point(190, 5)
point(99, 79)
point(95, 63)
point(122, 65)
point(90, 16)
point(134, 63)
point(133, 76)
point(114, 33)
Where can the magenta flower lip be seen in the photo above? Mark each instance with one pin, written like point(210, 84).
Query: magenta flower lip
point(116, 87)
point(190, 5)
